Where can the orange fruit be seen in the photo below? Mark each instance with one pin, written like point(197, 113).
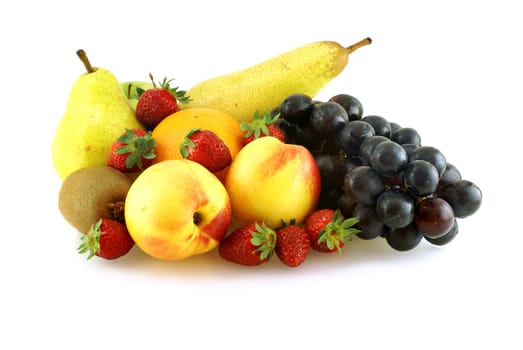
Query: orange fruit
point(169, 133)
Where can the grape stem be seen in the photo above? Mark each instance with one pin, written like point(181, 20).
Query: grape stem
point(359, 44)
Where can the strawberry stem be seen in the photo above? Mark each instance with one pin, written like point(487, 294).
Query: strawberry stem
point(137, 147)
point(265, 239)
point(187, 142)
point(90, 243)
point(339, 230)
point(258, 125)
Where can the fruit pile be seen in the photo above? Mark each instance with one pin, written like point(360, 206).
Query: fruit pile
point(247, 163)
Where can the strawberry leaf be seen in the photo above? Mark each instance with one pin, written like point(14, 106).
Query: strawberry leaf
point(264, 238)
point(339, 230)
point(258, 125)
point(187, 142)
point(178, 94)
point(137, 148)
point(90, 242)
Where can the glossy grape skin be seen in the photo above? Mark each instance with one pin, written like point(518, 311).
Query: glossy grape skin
point(431, 155)
point(332, 171)
point(434, 217)
point(367, 147)
point(420, 178)
point(449, 176)
point(395, 209)
point(381, 125)
point(296, 109)
point(352, 135)
point(351, 104)
point(388, 158)
point(350, 163)
point(409, 148)
point(328, 119)
point(404, 238)
point(393, 127)
point(329, 198)
point(446, 238)
point(406, 135)
point(369, 224)
point(364, 184)
point(306, 136)
point(346, 204)
point(289, 130)
point(463, 196)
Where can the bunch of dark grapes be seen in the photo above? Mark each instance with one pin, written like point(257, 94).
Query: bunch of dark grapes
point(379, 172)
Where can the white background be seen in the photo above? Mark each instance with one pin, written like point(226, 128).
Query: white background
point(452, 70)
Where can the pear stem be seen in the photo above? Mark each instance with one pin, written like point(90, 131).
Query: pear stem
point(83, 57)
point(359, 44)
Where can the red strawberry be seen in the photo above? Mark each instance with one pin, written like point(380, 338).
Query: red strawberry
point(292, 245)
point(132, 151)
point(262, 125)
point(108, 239)
point(328, 230)
point(159, 102)
point(206, 148)
point(250, 245)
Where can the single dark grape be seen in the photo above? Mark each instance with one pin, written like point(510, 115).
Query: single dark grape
point(289, 130)
point(406, 135)
point(306, 136)
point(381, 125)
point(350, 163)
point(463, 196)
point(420, 178)
point(447, 237)
point(369, 224)
point(328, 119)
point(352, 135)
point(431, 155)
point(409, 148)
point(394, 127)
point(449, 176)
point(332, 171)
point(329, 146)
point(351, 104)
point(329, 198)
point(395, 209)
point(364, 184)
point(388, 158)
point(404, 238)
point(367, 147)
point(346, 204)
point(434, 217)
point(296, 109)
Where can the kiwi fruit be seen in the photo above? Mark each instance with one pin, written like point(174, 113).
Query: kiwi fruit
point(91, 193)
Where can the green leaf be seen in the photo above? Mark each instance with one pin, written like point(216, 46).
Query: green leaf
point(187, 142)
point(339, 230)
point(90, 242)
point(264, 238)
point(137, 147)
point(258, 125)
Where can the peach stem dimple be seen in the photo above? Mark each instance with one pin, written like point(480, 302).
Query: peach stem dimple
point(197, 218)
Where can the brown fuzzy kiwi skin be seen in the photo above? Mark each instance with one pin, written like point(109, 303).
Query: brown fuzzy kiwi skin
point(91, 193)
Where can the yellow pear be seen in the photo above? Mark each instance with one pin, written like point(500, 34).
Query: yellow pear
point(96, 114)
point(264, 86)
